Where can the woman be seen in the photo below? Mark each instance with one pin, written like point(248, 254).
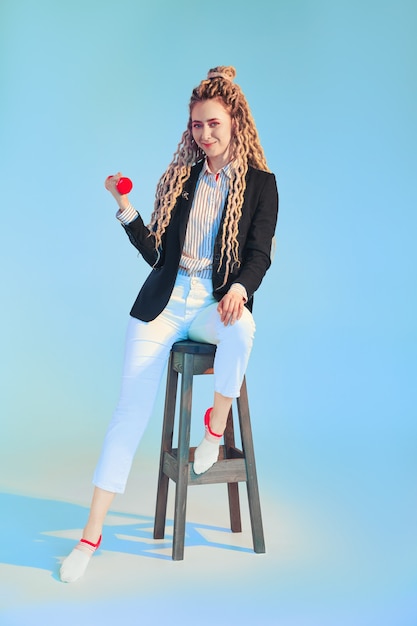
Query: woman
point(209, 245)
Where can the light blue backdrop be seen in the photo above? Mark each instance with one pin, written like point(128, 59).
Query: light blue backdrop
point(92, 87)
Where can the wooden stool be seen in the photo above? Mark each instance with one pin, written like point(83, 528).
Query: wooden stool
point(191, 358)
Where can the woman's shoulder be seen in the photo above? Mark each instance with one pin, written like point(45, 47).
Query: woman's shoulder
point(253, 171)
point(260, 177)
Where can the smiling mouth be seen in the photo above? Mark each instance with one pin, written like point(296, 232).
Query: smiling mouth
point(207, 145)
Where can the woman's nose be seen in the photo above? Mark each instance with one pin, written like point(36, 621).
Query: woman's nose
point(206, 134)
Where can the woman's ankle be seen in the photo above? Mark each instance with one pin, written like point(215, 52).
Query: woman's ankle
point(92, 533)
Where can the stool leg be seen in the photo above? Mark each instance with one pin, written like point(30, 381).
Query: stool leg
point(232, 488)
point(166, 446)
point(183, 458)
point(252, 481)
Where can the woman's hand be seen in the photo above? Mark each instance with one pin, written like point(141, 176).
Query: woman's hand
point(110, 184)
point(230, 307)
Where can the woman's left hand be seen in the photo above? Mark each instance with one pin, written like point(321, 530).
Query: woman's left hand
point(230, 307)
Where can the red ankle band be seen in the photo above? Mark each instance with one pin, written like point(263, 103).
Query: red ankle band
point(93, 545)
point(207, 423)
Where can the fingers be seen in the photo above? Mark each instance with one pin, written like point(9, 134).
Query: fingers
point(230, 308)
point(111, 182)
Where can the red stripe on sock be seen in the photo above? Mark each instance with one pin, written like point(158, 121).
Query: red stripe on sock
point(207, 423)
point(93, 545)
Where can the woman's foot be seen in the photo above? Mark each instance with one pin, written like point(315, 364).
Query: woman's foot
point(207, 452)
point(74, 566)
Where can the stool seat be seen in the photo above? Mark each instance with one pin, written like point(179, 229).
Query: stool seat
point(203, 356)
point(190, 358)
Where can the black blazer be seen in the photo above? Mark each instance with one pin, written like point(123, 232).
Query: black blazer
point(256, 230)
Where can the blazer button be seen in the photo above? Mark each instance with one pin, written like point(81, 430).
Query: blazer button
point(217, 257)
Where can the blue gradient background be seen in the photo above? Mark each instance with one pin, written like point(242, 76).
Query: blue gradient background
point(89, 88)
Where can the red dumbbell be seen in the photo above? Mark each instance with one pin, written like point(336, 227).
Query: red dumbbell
point(124, 185)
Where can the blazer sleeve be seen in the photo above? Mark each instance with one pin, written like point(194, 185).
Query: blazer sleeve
point(141, 237)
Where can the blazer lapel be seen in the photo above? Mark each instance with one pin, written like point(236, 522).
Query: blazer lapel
point(186, 200)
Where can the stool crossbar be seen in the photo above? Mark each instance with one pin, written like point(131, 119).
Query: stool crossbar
point(190, 358)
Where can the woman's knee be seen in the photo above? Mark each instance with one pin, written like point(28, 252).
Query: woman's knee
point(242, 332)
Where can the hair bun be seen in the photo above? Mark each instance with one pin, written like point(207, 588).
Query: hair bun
point(227, 72)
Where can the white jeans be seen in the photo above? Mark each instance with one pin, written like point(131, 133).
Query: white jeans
point(191, 313)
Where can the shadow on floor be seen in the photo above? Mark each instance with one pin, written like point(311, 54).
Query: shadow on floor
point(39, 532)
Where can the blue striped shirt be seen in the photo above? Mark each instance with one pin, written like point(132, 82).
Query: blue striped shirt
point(204, 221)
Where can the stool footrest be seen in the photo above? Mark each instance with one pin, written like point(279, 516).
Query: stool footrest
point(231, 470)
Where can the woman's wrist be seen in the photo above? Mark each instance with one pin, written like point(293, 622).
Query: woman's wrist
point(240, 289)
point(127, 215)
point(123, 202)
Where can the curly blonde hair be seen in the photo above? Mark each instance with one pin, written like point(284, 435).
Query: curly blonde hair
point(246, 151)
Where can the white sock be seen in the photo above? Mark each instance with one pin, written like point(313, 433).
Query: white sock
point(74, 566)
point(206, 454)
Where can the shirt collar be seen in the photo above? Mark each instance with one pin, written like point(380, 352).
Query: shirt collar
point(227, 169)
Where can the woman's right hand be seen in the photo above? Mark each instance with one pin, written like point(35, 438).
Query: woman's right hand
point(110, 184)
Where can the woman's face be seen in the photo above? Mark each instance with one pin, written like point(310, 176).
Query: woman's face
point(211, 126)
